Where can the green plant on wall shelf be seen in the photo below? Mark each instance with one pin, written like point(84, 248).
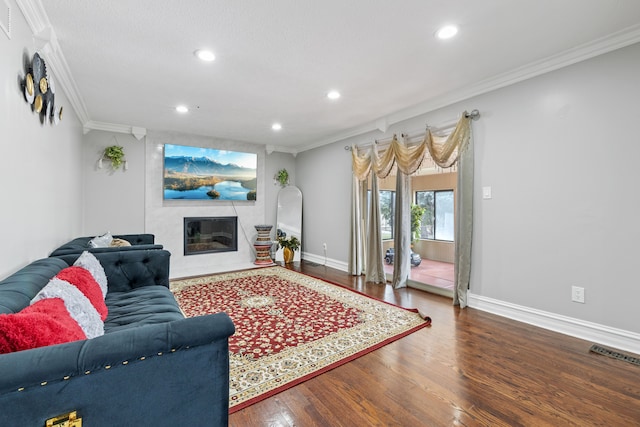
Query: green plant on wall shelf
point(115, 154)
point(282, 176)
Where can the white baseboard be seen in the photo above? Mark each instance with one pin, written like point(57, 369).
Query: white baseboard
point(593, 332)
point(329, 262)
point(589, 331)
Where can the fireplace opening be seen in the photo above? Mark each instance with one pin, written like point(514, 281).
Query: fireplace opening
point(210, 234)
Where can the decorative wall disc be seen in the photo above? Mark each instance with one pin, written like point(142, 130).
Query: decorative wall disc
point(52, 87)
point(29, 84)
point(38, 67)
point(28, 97)
point(57, 115)
point(37, 106)
point(43, 85)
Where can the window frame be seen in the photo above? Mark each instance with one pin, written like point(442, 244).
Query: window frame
point(391, 214)
point(435, 210)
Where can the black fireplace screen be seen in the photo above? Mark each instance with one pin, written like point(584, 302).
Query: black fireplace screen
point(210, 234)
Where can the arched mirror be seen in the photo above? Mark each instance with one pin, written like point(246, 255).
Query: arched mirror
point(289, 217)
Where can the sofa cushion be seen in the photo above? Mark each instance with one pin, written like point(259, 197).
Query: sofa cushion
point(89, 262)
point(77, 303)
point(141, 306)
point(46, 322)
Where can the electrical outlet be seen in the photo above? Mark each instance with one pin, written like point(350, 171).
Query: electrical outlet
point(577, 294)
point(324, 246)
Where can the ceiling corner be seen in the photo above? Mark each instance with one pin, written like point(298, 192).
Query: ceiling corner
point(43, 32)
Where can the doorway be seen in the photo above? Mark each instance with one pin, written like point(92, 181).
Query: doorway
point(433, 258)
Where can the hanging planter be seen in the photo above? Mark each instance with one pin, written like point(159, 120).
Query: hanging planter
point(282, 177)
point(115, 154)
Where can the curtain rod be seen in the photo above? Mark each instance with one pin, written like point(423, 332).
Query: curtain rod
point(474, 115)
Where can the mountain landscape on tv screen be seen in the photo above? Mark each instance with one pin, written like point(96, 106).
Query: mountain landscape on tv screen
point(206, 166)
point(187, 177)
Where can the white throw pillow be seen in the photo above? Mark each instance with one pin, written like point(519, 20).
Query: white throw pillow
point(103, 241)
point(89, 262)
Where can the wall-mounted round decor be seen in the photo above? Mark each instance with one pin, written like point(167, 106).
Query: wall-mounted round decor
point(39, 91)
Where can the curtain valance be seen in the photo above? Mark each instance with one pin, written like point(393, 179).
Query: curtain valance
point(444, 152)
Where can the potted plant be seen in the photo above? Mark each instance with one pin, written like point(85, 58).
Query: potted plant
point(115, 154)
point(289, 245)
point(282, 176)
point(417, 212)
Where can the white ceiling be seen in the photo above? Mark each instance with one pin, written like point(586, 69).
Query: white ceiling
point(131, 62)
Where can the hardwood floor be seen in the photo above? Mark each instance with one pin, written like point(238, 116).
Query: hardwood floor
point(470, 368)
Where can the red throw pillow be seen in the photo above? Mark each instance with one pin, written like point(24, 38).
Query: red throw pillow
point(84, 281)
point(46, 322)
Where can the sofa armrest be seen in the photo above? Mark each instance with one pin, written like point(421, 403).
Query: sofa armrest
point(17, 290)
point(151, 375)
point(128, 270)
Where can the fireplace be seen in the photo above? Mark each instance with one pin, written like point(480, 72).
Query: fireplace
point(210, 234)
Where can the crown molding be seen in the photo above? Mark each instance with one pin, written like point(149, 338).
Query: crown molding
point(618, 40)
point(138, 132)
point(47, 43)
point(281, 149)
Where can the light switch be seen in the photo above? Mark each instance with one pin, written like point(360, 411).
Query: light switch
point(486, 192)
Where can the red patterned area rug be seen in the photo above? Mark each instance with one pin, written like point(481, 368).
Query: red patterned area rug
point(290, 327)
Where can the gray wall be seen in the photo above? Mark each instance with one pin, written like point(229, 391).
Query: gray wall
point(41, 170)
point(560, 152)
point(114, 200)
point(324, 177)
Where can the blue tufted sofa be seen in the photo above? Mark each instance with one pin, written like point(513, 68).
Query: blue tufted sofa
point(152, 367)
point(80, 244)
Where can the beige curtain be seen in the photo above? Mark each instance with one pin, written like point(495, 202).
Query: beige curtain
point(408, 158)
point(464, 227)
point(357, 240)
point(373, 266)
point(402, 229)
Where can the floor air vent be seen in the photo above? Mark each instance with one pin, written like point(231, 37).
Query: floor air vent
point(614, 354)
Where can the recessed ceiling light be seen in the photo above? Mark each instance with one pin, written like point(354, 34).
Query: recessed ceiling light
point(182, 109)
point(205, 55)
point(334, 94)
point(447, 32)
point(276, 126)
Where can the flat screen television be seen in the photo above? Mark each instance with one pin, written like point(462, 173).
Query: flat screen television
point(197, 173)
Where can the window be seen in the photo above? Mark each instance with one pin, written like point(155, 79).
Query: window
point(437, 222)
point(387, 212)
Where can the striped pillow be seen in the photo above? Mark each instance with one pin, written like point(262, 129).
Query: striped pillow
point(87, 310)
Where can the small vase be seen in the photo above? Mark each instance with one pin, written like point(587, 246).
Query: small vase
point(288, 255)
